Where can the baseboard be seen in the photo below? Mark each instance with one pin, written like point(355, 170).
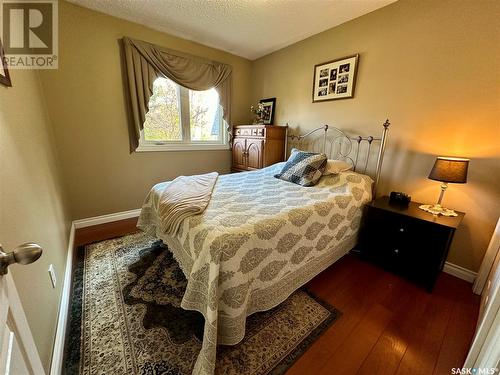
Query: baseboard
point(58, 350)
point(460, 272)
point(96, 220)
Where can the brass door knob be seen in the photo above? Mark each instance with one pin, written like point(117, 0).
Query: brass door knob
point(25, 254)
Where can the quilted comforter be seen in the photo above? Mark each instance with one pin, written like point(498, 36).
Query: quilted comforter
point(259, 239)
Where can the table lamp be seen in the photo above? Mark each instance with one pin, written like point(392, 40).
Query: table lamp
point(447, 170)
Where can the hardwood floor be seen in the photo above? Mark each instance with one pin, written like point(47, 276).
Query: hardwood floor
point(389, 326)
point(106, 231)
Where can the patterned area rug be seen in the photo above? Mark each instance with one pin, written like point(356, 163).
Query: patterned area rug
point(126, 318)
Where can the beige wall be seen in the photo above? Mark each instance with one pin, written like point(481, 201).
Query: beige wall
point(433, 68)
point(87, 108)
point(32, 205)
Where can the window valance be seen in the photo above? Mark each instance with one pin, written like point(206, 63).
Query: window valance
point(144, 62)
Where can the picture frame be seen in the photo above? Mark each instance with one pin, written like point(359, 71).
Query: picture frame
point(269, 110)
point(335, 79)
point(4, 70)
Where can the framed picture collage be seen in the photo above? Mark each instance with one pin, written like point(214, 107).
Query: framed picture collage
point(335, 79)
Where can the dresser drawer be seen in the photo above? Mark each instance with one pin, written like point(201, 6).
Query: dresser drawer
point(243, 132)
point(250, 132)
point(259, 132)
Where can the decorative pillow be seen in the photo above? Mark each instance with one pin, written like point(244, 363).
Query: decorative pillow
point(336, 166)
point(303, 168)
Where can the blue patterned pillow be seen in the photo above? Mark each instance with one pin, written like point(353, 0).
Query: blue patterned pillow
point(303, 168)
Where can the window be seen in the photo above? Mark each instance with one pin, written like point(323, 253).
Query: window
point(180, 119)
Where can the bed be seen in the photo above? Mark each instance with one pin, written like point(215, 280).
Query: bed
point(261, 238)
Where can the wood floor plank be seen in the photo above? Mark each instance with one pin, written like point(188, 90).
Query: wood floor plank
point(354, 298)
point(105, 231)
point(332, 277)
point(349, 357)
point(388, 352)
point(347, 296)
point(423, 350)
point(460, 330)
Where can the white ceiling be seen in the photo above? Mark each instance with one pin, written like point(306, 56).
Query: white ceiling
point(248, 28)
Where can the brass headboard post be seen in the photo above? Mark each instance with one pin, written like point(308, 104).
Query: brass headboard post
point(346, 151)
point(324, 138)
point(285, 152)
point(380, 157)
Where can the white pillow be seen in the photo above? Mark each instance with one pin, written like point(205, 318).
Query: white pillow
point(336, 166)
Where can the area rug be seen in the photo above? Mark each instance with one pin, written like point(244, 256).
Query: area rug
point(125, 318)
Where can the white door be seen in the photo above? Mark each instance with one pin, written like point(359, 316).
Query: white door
point(18, 354)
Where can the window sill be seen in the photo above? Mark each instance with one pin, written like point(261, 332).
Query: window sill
point(180, 147)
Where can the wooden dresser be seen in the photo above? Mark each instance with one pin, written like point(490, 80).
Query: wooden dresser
point(258, 146)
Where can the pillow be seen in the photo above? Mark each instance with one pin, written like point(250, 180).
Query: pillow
point(303, 168)
point(336, 166)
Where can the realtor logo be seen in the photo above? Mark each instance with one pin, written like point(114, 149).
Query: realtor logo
point(29, 34)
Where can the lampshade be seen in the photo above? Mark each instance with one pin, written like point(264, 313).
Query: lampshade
point(450, 170)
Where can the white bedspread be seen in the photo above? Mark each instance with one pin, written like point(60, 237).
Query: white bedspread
point(258, 240)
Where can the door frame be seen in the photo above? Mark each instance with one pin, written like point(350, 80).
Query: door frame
point(485, 348)
point(62, 319)
point(488, 260)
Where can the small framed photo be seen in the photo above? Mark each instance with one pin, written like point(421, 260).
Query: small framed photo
point(4, 71)
point(269, 108)
point(335, 79)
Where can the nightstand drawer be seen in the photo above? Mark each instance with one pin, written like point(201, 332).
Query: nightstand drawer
point(390, 256)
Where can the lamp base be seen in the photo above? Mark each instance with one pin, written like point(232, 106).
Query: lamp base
point(436, 209)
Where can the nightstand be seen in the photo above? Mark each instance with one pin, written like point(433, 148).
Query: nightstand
point(406, 240)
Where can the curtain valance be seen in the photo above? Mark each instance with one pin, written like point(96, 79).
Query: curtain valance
point(144, 62)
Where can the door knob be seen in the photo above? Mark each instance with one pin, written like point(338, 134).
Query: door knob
point(25, 254)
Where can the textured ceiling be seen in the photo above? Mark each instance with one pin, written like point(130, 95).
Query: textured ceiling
point(248, 28)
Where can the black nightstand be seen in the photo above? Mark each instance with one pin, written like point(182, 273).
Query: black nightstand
point(406, 240)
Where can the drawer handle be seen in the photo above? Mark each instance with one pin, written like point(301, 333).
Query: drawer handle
point(396, 251)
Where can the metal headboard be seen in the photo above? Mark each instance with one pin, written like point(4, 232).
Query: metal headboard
point(342, 146)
